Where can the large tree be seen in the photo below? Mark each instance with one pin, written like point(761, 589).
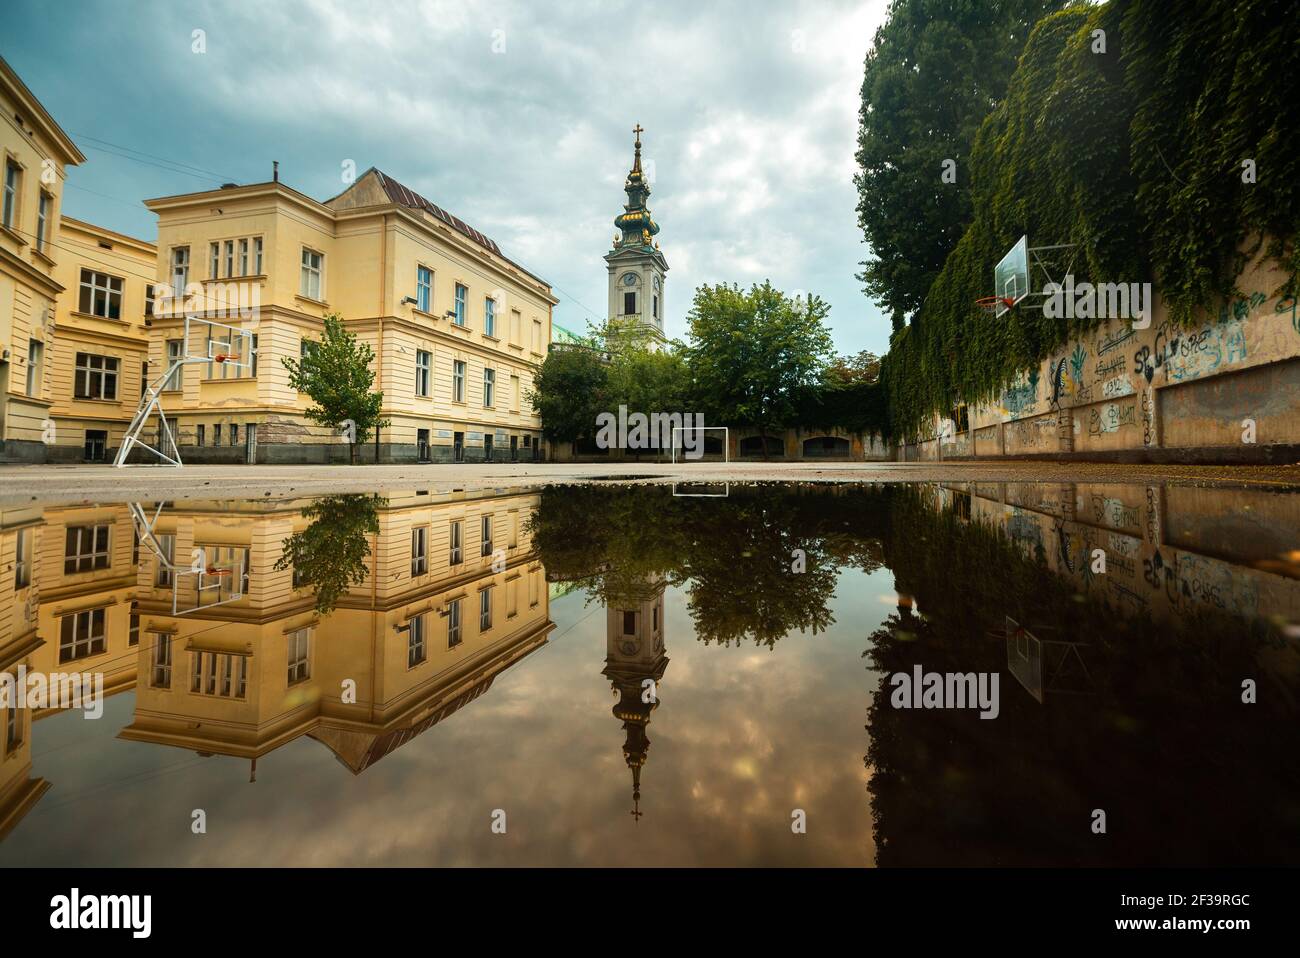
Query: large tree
point(754, 354)
point(569, 391)
point(331, 553)
point(935, 69)
point(336, 373)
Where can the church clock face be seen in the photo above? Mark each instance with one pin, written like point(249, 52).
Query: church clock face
point(629, 279)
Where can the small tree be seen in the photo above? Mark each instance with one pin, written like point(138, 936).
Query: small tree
point(336, 374)
point(753, 355)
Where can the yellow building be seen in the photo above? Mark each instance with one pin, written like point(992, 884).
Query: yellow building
point(99, 353)
point(452, 595)
point(458, 329)
point(36, 153)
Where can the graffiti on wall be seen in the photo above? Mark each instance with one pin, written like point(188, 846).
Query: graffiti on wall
point(1110, 417)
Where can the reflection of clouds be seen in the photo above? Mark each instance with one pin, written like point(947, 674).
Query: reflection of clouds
point(743, 736)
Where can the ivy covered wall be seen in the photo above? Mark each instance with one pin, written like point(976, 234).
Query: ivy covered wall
point(1129, 143)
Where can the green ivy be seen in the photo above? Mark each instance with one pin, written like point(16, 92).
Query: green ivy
point(1135, 156)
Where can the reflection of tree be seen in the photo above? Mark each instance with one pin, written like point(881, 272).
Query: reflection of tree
point(331, 553)
point(735, 557)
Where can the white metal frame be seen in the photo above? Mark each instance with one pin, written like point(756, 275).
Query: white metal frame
point(222, 351)
point(726, 440)
point(207, 579)
point(1034, 257)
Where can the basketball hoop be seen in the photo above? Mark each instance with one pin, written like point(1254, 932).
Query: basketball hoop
point(990, 303)
point(213, 570)
point(220, 357)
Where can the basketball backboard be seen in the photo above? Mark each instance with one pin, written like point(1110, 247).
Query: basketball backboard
point(1011, 276)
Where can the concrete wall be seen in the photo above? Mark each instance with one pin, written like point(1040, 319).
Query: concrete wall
point(1225, 389)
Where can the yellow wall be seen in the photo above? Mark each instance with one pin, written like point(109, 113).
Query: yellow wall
point(28, 287)
point(126, 339)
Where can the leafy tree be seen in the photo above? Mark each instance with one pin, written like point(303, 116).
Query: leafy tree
point(935, 69)
point(753, 355)
point(568, 392)
point(336, 373)
point(331, 553)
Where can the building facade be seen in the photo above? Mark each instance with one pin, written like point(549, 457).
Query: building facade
point(36, 153)
point(458, 330)
point(99, 351)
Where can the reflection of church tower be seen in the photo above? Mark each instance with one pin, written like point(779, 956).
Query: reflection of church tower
point(634, 630)
point(637, 269)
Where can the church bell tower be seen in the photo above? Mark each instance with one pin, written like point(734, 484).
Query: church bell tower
point(637, 269)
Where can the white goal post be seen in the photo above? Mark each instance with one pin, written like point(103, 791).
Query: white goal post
point(726, 440)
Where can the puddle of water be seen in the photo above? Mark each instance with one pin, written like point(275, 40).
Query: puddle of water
point(624, 675)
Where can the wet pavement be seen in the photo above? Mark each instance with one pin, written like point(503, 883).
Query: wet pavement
point(660, 674)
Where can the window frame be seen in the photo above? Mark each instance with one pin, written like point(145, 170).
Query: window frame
point(309, 270)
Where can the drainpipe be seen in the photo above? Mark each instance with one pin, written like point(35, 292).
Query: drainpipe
point(383, 305)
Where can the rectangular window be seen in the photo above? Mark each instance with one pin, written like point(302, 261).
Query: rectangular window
point(629, 623)
point(453, 623)
point(23, 559)
point(655, 310)
point(35, 360)
point(419, 551)
point(216, 434)
point(629, 304)
point(458, 380)
point(133, 628)
point(200, 436)
point(95, 445)
point(489, 317)
point(485, 609)
point(214, 260)
point(312, 268)
point(167, 553)
point(160, 676)
point(234, 434)
point(149, 299)
point(243, 257)
point(230, 258)
point(175, 349)
point(460, 305)
point(94, 377)
point(485, 536)
point(537, 336)
point(512, 598)
point(415, 645)
point(180, 270)
point(43, 221)
point(516, 328)
point(423, 288)
point(489, 387)
point(257, 256)
point(454, 553)
point(514, 394)
point(423, 371)
point(299, 656)
point(85, 548)
point(13, 725)
point(252, 371)
point(81, 635)
point(100, 294)
point(13, 186)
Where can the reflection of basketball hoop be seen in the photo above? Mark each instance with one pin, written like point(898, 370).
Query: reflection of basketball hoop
point(216, 571)
point(990, 303)
point(220, 357)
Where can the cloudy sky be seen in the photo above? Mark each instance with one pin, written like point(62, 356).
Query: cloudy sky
point(515, 116)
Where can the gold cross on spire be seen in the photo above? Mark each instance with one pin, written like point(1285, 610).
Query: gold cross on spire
point(638, 131)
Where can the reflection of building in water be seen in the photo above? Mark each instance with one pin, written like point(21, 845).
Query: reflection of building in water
point(66, 608)
point(432, 623)
point(635, 660)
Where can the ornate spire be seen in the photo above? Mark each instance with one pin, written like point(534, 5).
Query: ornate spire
point(635, 224)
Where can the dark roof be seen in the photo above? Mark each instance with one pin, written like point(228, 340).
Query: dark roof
point(405, 196)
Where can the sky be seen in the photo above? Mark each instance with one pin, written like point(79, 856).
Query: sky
point(515, 116)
